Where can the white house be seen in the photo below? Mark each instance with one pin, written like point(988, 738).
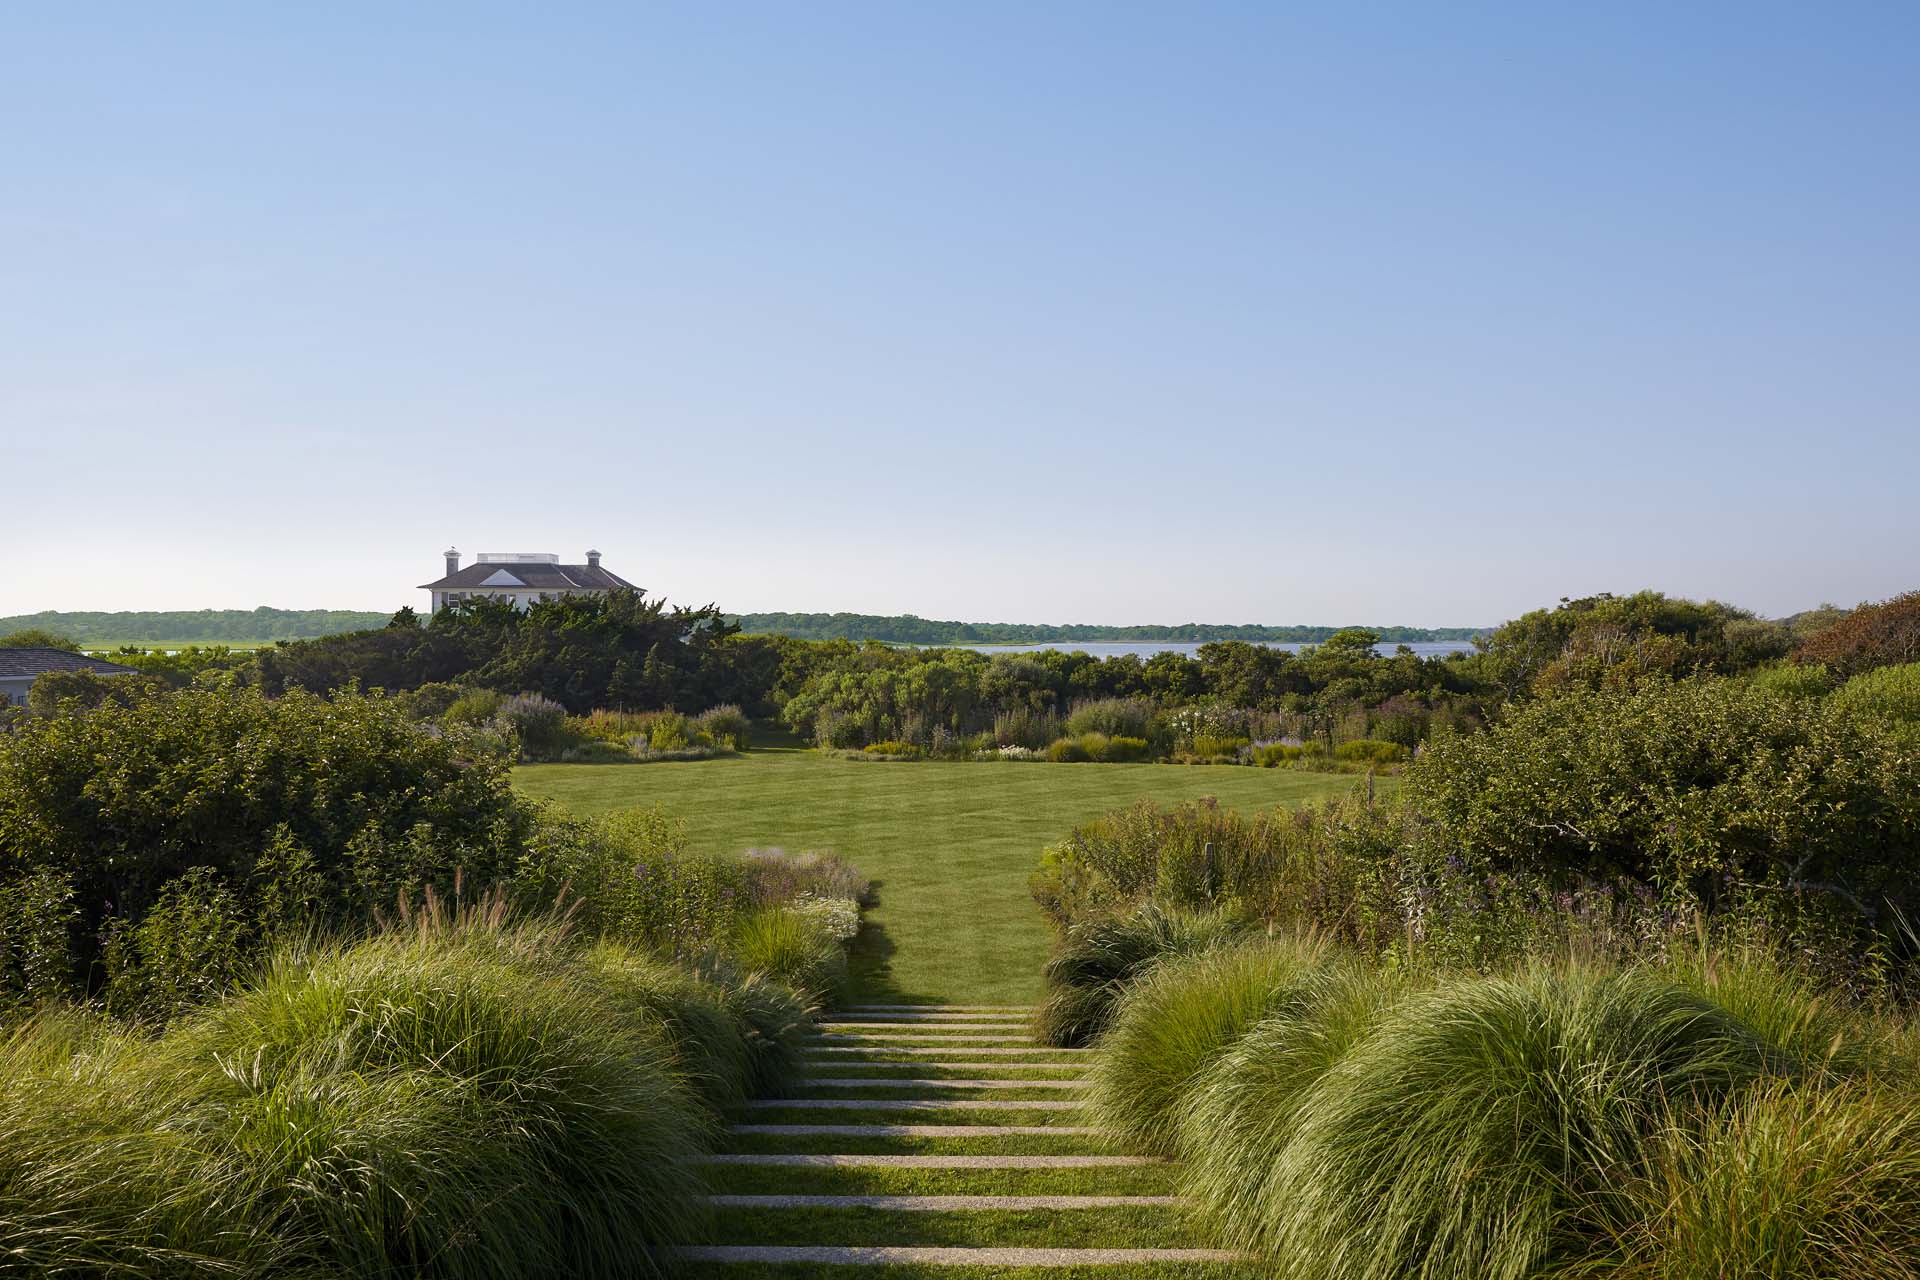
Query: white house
point(521, 578)
point(19, 668)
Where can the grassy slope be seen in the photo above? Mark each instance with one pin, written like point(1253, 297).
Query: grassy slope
point(950, 845)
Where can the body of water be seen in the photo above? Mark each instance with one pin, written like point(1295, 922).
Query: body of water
point(1147, 648)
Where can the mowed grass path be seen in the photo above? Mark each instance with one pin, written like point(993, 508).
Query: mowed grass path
point(950, 845)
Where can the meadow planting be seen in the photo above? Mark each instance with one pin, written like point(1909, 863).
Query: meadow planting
point(1620, 986)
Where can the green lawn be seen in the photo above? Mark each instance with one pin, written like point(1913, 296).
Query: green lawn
point(950, 845)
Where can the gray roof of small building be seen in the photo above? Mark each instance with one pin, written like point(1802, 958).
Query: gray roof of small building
point(536, 575)
point(39, 662)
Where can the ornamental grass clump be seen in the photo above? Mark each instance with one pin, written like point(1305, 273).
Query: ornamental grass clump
point(709, 1038)
point(96, 1177)
point(1790, 1182)
point(793, 947)
point(1486, 1128)
point(451, 1097)
point(1242, 1109)
point(1173, 1023)
point(1094, 963)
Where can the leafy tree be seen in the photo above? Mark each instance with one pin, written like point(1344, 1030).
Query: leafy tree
point(1874, 635)
point(38, 638)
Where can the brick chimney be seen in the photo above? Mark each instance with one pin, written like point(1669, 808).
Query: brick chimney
point(593, 559)
point(453, 561)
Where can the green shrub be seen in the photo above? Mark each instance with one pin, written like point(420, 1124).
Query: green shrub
point(1888, 695)
point(475, 707)
point(1172, 1023)
point(894, 749)
point(1793, 680)
point(1790, 1182)
point(1707, 788)
point(1370, 751)
point(1094, 963)
point(599, 751)
point(1025, 727)
point(1274, 754)
point(793, 948)
point(777, 1023)
point(1114, 717)
point(668, 731)
point(1123, 750)
point(1068, 751)
point(725, 726)
point(1488, 1128)
point(1216, 747)
point(322, 810)
point(775, 876)
point(37, 919)
point(193, 945)
point(100, 1172)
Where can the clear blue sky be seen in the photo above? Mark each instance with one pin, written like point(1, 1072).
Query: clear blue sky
point(1423, 313)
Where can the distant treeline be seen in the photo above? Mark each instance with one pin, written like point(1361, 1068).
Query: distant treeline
point(907, 629)
point(203, 626)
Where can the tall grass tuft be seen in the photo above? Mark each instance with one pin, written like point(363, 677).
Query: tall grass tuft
point(1243, 1108)
point(709, 1038)
point(1790, 1182)
point(96, 1177)
point(1815, 1029)
point(446, 1098)
point(1483, 1129)
point(1094, 963)
point(1172, 1024)
point(793, 948)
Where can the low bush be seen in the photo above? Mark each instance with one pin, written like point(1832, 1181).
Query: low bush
point(1114, 717)
point(1172, 1023)
point(1095, 962)
point(1793, 680)
point(1722, 796)
point(1271, 755)
point(1211, 747)
point(724, 726)
point(894, 750)
point(1122, 750)
point(512, 1121)
point(1072, 750)
point(295, 812)
point(537, 723)
point(1889, 696)
point(775, 876)
point(1370, 751)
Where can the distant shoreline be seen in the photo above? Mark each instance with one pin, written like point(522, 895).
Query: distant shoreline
point(265, 626)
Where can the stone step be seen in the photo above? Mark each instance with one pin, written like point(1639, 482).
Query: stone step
point(907, 1104)
point(907, 1082)
point(915, 1255)
point(930, 1162)
point(937, 1008)
point(826, 1049)
point(931, 1019)
point(926, 1029)
point(956, 1066)
point(882, 1037)
point(919, 1130)
point(940, 1204)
